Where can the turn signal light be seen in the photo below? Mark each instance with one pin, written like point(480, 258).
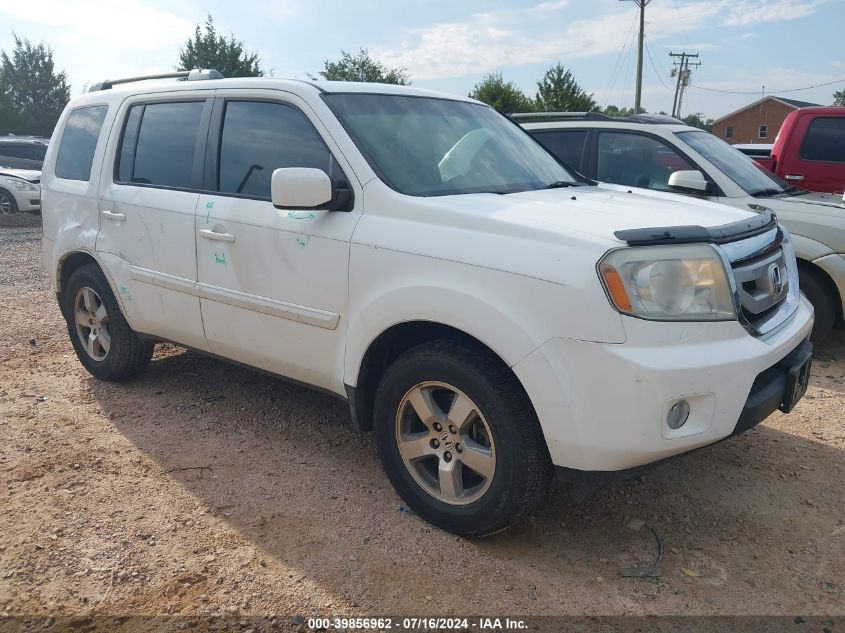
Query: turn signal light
point(614, 285)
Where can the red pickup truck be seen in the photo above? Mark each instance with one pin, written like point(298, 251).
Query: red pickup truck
point(809, 151)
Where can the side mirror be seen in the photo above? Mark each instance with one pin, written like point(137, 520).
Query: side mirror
point(689, 180)
point(300, 188)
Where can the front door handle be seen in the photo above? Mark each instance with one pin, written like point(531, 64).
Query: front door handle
point(794, 177)
point(215, 236)
point(113, 215)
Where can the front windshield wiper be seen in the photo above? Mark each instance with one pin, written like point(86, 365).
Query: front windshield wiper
point(560, 184)
point(766, 193)
point(792, 190)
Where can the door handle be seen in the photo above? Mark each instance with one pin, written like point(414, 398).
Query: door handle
point(794, 177)
point(215, 236)
point(113, 215)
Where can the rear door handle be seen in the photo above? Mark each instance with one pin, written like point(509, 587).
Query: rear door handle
point(112, 215)
point(794, 177)
point(215, 236)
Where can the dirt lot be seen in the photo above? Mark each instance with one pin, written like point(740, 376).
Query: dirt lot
point(203, 488)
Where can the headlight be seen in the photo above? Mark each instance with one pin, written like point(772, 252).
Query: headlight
point(20, 184)
point(668, 283)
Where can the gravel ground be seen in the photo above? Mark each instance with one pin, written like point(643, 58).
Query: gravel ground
point(201, 488)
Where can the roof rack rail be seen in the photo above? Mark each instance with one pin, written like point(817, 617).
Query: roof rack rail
point(551, 117)
point(657, 119)
point(531, 117)
point(185, 75)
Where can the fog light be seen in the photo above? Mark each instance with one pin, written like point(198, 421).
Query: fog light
point(678, 414)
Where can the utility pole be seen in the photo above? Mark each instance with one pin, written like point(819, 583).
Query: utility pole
point(642, 4)
point(683, 79)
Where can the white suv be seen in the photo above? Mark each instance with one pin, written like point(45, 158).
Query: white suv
point(486, 314)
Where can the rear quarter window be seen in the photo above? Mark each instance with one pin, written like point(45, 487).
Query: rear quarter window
point(567, 145)
point(825, 140)
point(79, 140)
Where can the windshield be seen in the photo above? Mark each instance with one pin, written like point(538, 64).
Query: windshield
point(424, 146)
point(747, 174)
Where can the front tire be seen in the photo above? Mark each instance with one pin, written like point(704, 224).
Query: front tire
point(818, 293)
point(8, 204)
point(104, 343)
point(459, 439)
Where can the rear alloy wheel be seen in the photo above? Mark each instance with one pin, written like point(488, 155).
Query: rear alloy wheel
point(92, 323)
point(104, 343)
point(459, 439)
point(7, 203)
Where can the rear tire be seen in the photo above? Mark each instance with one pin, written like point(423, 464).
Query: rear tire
point(496, 431)
point(819, 294)
point(104, 343)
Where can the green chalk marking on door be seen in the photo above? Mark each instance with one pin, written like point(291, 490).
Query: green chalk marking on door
point(293, 215)
point(208, 207)
point(220, 259)
point(303, 240)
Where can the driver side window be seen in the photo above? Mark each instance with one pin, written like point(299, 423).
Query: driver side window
point(259, 137)
point(635, 160)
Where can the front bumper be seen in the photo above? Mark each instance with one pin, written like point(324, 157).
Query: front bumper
point(778, 387)
point(28, 201)
point(604, 406)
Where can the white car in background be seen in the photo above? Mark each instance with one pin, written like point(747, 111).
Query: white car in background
point(661, 154)
point(20, 191)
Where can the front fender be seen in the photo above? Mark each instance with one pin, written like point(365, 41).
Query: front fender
point(511, 314)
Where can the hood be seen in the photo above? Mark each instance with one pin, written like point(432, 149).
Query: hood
point(597, 211)
point(31, 175)
point(823, 204)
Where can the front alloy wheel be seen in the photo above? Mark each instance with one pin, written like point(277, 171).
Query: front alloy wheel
point(445, 443)
point(459, 439)
point(7, 203)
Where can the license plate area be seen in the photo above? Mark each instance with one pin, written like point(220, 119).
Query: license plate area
point(797, 378)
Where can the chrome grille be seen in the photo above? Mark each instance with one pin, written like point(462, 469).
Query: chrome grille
point(761, 283)
point(765, 280)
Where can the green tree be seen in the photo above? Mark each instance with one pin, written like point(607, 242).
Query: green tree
point(616, 111)
point(839, 98)
point(207, 49)
point(362, 67)
point(32, 94)
point(558, 91)
point(504, 96)
point(698, 120)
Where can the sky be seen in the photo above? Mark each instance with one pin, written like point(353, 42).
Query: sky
point(450, 45)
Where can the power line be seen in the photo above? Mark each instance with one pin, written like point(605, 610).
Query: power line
point(680, 21)
point(755, 92)
point(617, 65)
point(654, 67)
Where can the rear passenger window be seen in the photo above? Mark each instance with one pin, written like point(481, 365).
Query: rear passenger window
point(825, 141)
point(259, 137)
point(79, 140)
point(566, 146)
point(159, 143)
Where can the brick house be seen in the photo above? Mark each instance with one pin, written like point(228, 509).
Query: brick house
point(756, 123)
